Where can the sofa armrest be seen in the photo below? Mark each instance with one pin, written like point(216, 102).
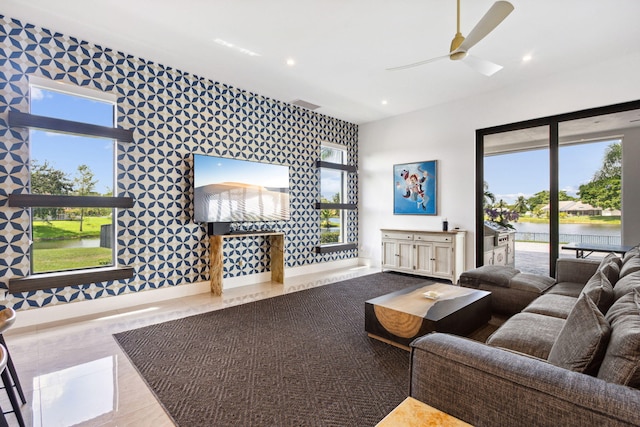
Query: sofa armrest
point(488, 386)
point(575, 270)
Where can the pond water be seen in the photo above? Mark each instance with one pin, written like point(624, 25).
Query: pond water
point(590, 229)
point(74, 243)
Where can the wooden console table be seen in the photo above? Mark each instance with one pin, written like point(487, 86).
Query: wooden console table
point(216, 267)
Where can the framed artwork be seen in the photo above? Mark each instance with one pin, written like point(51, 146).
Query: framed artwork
point(414, 186)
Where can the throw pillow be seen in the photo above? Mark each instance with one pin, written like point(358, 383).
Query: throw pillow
point(599, 289)
point(630, 266)
point(621, 363)
point(635, 251)
point(583, 339)
point(615, 258)
point(612, 271)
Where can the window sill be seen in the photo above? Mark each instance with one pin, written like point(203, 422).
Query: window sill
point(61, 279)
point(338, 247)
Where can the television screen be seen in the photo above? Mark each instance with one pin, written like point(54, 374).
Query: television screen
point(231, 190)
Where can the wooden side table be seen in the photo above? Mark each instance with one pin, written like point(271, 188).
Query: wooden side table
point(413, 413)
point(216, 265)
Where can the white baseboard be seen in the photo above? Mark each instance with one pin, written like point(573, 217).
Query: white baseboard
point(34, 317)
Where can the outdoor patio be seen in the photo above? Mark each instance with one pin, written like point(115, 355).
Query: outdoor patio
point(534, 257)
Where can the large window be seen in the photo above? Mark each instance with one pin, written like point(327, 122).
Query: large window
point(332, 190)
point(334, 203)
point(65, 164)
point(72, 150)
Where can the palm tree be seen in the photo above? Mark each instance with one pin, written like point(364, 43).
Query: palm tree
point(521, 205)
point(489, 197)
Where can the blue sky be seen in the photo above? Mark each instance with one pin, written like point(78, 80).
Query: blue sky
point(513, 175)
point(211, 170)
point(67, 152)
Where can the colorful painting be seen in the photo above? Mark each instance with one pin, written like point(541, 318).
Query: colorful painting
point(414, 188)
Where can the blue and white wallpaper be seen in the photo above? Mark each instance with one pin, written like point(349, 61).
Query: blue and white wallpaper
point(173, 114)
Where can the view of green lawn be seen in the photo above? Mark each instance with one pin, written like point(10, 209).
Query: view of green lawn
point(68, 229)
point(70, 258)
point(63, 258)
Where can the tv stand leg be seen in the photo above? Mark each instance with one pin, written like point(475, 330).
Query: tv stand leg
point(216, 267)
point(277, 258)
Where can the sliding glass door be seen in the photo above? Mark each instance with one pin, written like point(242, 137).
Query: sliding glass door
point(555, 182)
point(516, 200)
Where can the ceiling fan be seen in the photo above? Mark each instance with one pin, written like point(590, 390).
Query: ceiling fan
point(460, 45)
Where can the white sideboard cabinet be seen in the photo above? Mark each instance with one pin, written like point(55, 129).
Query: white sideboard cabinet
point(426, 253)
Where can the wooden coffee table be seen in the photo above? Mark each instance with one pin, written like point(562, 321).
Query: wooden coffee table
point(413, 413)
point(400, 317)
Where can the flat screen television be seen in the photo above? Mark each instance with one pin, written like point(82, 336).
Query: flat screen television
point(232, 190)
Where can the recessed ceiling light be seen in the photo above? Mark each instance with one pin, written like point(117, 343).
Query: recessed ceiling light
point(384, 102)
point(527, 58)
point(291, 62)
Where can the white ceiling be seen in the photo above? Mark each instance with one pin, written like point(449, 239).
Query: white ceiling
point(342, 47)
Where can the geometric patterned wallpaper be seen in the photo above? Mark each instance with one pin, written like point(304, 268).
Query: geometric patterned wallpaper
point(173, 114)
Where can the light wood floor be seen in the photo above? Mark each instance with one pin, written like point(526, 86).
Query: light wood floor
point(74, 374)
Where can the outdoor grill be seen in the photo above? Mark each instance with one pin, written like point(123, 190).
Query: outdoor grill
point(499, 244)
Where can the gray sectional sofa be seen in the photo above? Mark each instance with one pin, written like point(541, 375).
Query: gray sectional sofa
point(570, 356)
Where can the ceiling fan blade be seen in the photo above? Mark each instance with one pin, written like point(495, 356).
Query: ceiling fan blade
point(416, 64)
point(482, 66)
point(494, 16)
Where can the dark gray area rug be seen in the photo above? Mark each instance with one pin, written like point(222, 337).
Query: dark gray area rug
point(301, 359)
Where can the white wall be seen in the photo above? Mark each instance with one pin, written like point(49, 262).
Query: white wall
point(447, 133)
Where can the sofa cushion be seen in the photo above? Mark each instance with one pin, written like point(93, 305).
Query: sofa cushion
point(630, 266)
point(599, 290)
point(528, 333)
point(552, 305)
point(621, 363)
point(570, 289)
point(497, 275)
point(575, 270)
point(531, 282)
point(627, 284)
point(583, 340)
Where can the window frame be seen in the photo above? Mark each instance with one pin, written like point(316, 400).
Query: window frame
point(17, 119)
point(345, 169)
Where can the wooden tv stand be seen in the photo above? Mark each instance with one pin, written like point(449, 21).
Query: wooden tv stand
point(216, 267)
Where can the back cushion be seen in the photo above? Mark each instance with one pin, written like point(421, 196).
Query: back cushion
point(635, 251)
point(631, 265)
point(621, 363)
point(599, 290)
point(626, 284)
